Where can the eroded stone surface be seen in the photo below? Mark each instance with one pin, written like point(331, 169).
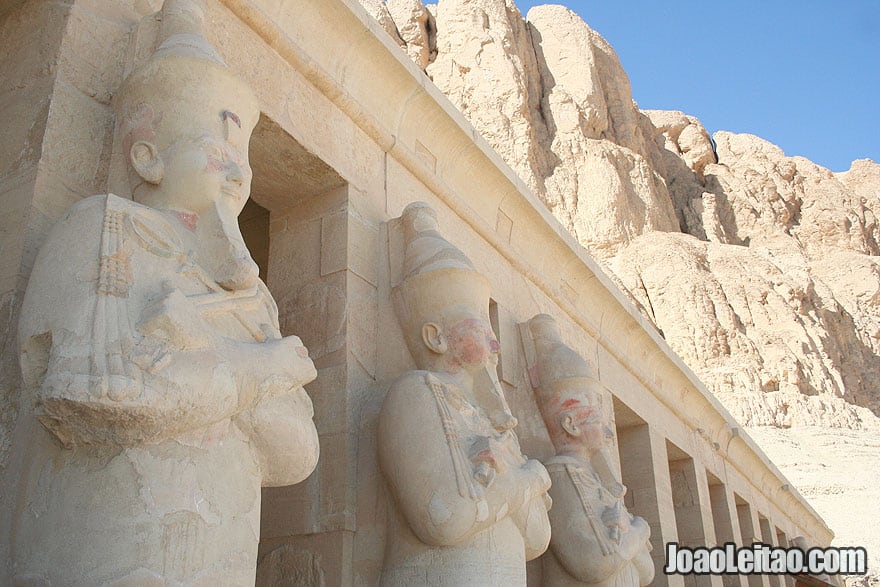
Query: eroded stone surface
point(416, 27)
point(594, 540)
point(160, 393)
point(288, 566)
point(379, 10)
point(468, 507)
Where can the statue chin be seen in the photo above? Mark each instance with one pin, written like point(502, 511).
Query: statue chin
point(284, 436)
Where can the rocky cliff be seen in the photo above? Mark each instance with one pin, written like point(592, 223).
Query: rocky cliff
point(761, 271)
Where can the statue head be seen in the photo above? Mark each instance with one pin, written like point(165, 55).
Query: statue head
point(568, 396)
point(442, 302)
point(185, 121)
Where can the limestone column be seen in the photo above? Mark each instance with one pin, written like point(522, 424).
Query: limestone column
point(693, 512)
point(706, 516)
point(726, 523)
point(748, 522)
point(782, 541)
point(645, 472)
point(769, 537)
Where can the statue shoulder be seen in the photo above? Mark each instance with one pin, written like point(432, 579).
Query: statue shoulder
point(414, 391)
point(92, 218)
point(145, 226)
point(66, 268)
point(91, 206)
point(411, 383)
point(97, 206)
point(83, 218)
point(411, 403)
point(88, 251)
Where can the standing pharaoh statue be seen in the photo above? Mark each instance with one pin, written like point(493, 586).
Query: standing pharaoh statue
point(164, 391)
point(468, 508)
point(595, 540)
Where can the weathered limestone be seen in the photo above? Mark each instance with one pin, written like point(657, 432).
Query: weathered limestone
point(603, 186)
point(416, 27)
point(594, 540)
point(165, 393)
point(684, 136)
point(771, 296)
point(486, 65)
point(350, 133)
point(608, 174)
point(469, 508)
point(742, 318)
point(379, 11)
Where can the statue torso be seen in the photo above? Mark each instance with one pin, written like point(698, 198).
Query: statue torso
point(494, 556)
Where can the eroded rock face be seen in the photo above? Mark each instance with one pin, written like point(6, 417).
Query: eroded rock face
point(759, 327)
point(416, 28)
point(601, 185)
point(379, 10)
point(487, 66)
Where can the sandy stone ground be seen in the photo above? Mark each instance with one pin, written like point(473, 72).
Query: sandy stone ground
point(838, 471)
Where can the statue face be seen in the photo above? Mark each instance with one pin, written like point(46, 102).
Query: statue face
point(582, 422)
point(472, 345)
point(592, 428)
point(204, 172)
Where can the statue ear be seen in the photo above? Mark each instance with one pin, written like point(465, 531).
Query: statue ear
point(145, 159)
point(569, 424)
point(433, 337)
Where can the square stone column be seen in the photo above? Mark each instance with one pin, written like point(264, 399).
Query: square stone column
point(693, 511)
point(645, 472)
point(726, 523)
point(749, 528)
point(769, 537)
point(782, 541)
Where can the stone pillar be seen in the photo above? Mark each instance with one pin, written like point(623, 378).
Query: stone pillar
point(645, 472)
point(782, 541)
point(748, 523)
point(769, 537)
point(693, 513)
point(41, 176)
point(726, 523)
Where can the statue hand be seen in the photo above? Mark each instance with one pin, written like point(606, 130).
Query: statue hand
point(615, 517)
point(532, 519)
point(638, 524)
point(539, 479)
point(291, 367)
point(176, 320)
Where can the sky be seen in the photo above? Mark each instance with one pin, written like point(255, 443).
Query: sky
point(802, 75)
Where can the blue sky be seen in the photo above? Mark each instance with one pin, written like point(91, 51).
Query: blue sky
point(803, 75)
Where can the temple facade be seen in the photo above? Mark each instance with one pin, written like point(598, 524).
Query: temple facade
point(350, 133)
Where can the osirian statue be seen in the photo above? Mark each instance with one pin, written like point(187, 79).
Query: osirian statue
point(468, 508)
point(164, 393)
point(595, 540)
